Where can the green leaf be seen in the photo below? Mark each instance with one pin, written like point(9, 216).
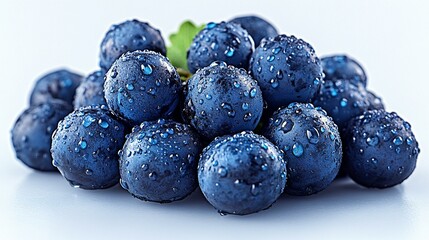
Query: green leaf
point(180, 43)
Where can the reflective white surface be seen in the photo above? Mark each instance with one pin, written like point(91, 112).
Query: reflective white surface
point(391, 39)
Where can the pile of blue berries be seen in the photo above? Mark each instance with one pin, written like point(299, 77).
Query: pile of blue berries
point(257, 114)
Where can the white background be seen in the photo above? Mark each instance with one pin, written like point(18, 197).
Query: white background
point(391, 39)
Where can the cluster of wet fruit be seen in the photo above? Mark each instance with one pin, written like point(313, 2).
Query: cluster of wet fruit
point(261, 115)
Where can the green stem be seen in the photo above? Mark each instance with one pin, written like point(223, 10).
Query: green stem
point(184, 74)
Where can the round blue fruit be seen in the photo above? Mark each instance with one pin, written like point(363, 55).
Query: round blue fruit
point(129, 36)
point(257, 27)
point(159, 161)
point(60, 84)
point(85, 145)
point(31, 134)
point(142, 86)
point(343, 67)
point(344, 100)
point(227, 42)
point(90, 91)
point(380, 149)
point(312, 146)
point(222, 99)
point(241, 174)
point(287, 70)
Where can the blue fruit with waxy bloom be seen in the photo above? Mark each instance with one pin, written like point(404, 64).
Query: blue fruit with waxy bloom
point(222, 99)
point(129, 36)
point(142, 86)
point(242, 173)
point(380, 148)
point(227, 42)
point(85, 146)
point(287, 70)
point(159, 160)
point(312, 146)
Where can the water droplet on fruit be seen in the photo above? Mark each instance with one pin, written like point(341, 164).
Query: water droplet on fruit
point(316, 81)
point(277, 121)
point(372, 141)
point(229, 52)
point(231, 113)
point(287, 125)
point(254, 190)
point(214, 46)
point(152, 176)
point(222, 213)
point(247, 117)
point(236, 84)
point(279, 74)
point(103, 123)
point(313, 135)
point(409, 141)
point(170, 131)
point(147, 69)
point(152, 141)
point(88, 120)
point(152, 91)
point(343, 102)
point(222, 171)
point(274, 83)
point(407, 125)
point(398, 140)
point(276, 50)
point(270, 58)
point(129, 86)
point(226, 106)
point(88, 172)
point(398, 150)
point(211, 25)
point(113, 73)
point(123, 184)
point(264, 167)
point(145, 167)
point(297, 149)
point(252, 92)
point(82, 144)
point(208, 96)
point(141, 136)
